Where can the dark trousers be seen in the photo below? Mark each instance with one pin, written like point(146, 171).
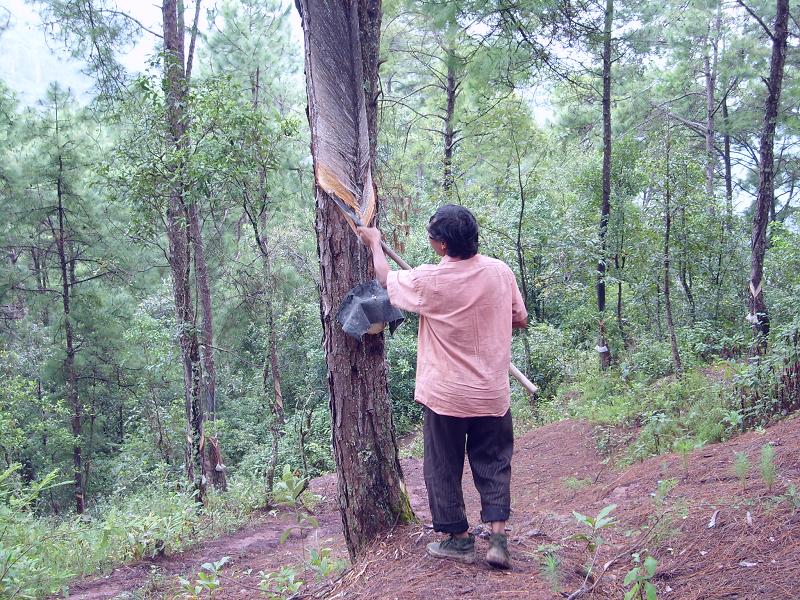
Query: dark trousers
point(489, 443)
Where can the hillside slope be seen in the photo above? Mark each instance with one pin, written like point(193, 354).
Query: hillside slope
point(663, 506)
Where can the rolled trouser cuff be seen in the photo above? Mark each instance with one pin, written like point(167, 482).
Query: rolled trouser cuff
point(457, 527)
point(495, 513)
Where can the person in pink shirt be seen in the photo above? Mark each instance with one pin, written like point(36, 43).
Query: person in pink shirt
point(468, 305)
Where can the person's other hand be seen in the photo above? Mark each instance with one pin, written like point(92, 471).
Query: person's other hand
point(371, 236)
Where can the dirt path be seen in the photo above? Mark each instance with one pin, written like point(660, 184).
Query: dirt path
point(751, 552)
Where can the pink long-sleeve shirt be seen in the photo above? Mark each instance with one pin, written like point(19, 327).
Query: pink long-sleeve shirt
point(466, 309)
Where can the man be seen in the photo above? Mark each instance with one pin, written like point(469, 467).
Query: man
point(468, 304)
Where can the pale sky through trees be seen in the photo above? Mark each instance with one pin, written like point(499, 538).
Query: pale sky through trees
point(32, 59)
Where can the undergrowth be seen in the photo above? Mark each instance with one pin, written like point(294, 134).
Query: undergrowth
point(668, 414)
point(39, 556)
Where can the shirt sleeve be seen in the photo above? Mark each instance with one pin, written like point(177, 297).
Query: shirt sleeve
point(404, 292)
point(518, 311)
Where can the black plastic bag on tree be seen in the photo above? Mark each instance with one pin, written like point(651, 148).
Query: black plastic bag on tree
point(366, 309)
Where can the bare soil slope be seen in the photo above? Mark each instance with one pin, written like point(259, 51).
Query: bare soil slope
point(752, 551)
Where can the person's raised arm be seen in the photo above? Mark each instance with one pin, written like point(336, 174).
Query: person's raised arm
point(371, 237)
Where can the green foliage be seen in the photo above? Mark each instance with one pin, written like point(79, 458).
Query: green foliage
point(639, 578)
point(535, 190)
point(550, 565)
point(44, 554)
point(573, 483)
point(323, 565)
point(741, 466)
point(595, 524)
point(767, 467)
point(674, 414)
point(288, 488)
point(279, 585)
point(683, 447)
point(206, 581)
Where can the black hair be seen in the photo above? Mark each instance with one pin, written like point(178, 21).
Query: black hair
point(457, 228)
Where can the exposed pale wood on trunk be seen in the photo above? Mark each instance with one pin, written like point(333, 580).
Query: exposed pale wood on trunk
point(341, 55)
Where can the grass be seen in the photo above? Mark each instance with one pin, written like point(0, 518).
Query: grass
point(40, 556)
point(670, 414)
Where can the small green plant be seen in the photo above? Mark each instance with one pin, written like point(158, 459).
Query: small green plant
point(792, 496)
point(304, 520)
point(575, 484)
point(550, 566)
point(288, 488)
point(603, 520)
point(769, 471)
point(323, 565)
point(207, 580)
point(665, 486)
point(593, 539)
point(684, 446)
point(639, 579)
point(278, 585)
point(741, 466)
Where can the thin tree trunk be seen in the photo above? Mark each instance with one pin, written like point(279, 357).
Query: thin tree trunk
point(70, 375)
point(523, 277)
point(605, 209)
point(673, 340)
point(659, 325)
point(758, 314)
point(258, 221)
point(726, 139)
point(450, 108)
point(278, 418)
point(710, 68)
point(214, 466)
point(685, 274)
point(372, 496)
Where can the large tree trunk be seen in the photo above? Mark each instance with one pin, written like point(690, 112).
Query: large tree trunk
point(341, 45)
point(758, 314)
point(673, 340)
point(180, 246)
point(605, 208)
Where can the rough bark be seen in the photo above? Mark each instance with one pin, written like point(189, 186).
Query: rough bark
point(180, 246)
point(758, 313)
point(214, 466)
point(372, 496)
point(603, 350)
point(451, 91)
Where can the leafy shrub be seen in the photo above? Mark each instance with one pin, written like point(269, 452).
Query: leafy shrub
point(650, 360)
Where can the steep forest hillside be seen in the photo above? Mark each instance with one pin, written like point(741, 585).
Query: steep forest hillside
point(175, 246)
